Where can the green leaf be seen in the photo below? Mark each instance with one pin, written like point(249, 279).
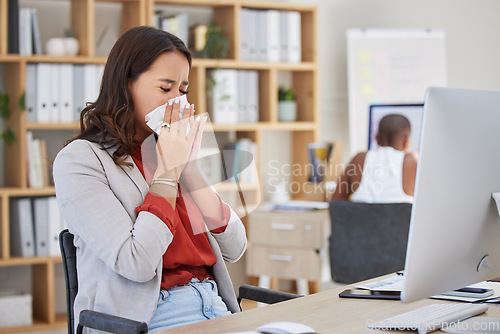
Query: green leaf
point(285, 94)
point(4, 106)
point(22, 101)
point(9, 137)
point(217, 44)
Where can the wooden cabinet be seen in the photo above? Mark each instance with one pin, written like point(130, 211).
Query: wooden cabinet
point(289, 245)
point(304, 81)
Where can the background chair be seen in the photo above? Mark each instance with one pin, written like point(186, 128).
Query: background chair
point(113, 324)
point(367, 240)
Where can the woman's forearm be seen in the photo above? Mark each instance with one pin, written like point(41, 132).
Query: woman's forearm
point(203, 195)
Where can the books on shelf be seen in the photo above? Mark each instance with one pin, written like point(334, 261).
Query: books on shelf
point(210, 164)
point(239, 161)
point(38, 164)
point(35, 224)
point(176, 24)
point(22, 236)
point(248, 96)
point(234, 96)
point(13, 26)
point(291, 45)
point(319, 154)
point(35, 32)
point(57, 93)
point(270, 35)
point(28, 32)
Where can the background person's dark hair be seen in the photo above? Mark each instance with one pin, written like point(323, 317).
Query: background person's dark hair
point(110, 119)
point(392, 129)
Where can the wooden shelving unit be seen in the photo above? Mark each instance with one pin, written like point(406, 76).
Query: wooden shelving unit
point(304, 81)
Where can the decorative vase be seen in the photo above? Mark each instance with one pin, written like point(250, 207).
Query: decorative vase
point(287, 111)
point(71, 46)
point(55, 47)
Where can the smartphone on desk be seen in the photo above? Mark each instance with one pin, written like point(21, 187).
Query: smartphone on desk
point(470, 292)
point(371, 294)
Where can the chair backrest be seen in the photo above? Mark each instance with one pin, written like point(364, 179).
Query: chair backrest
point(367, 240)
point(68, 252)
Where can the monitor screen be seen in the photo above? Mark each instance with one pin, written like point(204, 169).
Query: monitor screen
point(411, 111)
point(455, 222)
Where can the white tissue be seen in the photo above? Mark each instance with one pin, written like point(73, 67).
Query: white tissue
point(154, 119)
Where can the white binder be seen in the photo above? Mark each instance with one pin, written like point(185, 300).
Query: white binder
point(252, 99)
point(251, 32)
point(273, 43)
point(247, 28)
point(43, 83)
point(294, 37)
point(78, 90)
point(262, 31)
point(99, 74)
point(242, 95)
point(54, 90)
point(284, 36)
point(35, 176)
point(40, 218)
point(54, 218)
point(66, 93)
point(21, 228)
point(224, 106)
point(30, 96)
point(90, 82)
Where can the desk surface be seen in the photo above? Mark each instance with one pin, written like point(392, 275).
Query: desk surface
point(324, 311)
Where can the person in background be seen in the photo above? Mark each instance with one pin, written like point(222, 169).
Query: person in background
point(151, 236)
point(385, 174)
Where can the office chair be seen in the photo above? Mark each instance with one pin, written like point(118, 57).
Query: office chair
point(91, 319)
point(367, 240)
point(113, 324)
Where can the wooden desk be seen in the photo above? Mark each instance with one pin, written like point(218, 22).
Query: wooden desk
point(324, 311)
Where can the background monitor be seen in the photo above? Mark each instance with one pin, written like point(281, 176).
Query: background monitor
point(455, 221)
point(412, 111)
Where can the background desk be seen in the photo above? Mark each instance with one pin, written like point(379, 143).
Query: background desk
point(324, 311)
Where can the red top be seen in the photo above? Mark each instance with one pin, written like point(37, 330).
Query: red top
point(189, 252)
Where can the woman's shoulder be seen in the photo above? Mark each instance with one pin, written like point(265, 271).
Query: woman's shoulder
point(79, 146)
point(80, 149)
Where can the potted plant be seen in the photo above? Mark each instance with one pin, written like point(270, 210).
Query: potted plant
point(217, 44)
point(287, 107)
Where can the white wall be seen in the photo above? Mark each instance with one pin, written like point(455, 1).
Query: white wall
point(472, 45)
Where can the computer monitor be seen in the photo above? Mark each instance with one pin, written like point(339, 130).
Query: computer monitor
point(411, 111)
point(455, 223)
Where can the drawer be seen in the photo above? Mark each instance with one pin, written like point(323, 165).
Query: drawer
point(285, 229)
point(283, 262)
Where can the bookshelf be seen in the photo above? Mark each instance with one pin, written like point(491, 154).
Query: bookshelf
point(304, 81)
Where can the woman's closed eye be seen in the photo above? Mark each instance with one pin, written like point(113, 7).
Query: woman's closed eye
point(167, 90)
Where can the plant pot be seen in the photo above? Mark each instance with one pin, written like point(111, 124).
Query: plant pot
point(71, 46)
point(287, 111)
point(55, 47)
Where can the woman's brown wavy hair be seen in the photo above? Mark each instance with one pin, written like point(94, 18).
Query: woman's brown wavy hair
point(109, 120)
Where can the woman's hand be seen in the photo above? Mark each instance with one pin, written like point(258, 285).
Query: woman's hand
point(191, 168)
point(175, 141)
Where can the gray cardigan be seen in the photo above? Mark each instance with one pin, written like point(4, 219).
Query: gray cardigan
point(119, 252)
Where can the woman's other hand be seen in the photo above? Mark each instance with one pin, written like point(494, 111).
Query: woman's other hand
point(175, 141)
point(191, 168)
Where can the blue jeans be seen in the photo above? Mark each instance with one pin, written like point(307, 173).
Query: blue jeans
point(182, 305)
